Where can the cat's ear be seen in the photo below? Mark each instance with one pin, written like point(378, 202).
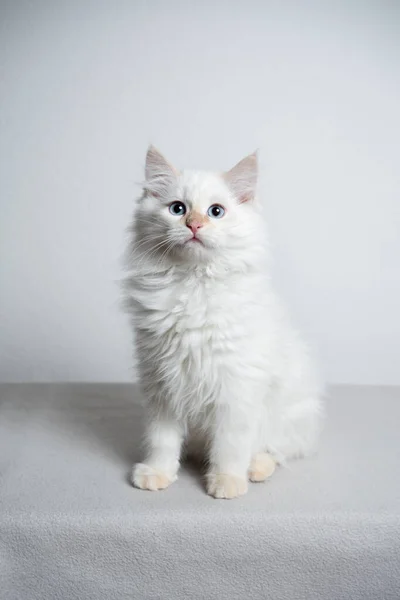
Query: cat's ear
point(160, 174)
point(242, 179)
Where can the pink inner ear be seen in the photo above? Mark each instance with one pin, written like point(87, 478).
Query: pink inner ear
point(242, 179)
point(245, 198)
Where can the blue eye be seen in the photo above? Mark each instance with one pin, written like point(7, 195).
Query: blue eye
point(177, 209)
point(216, 211)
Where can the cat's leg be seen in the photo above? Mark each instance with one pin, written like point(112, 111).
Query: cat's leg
point(261, 467)
point(294, 430)
point(295, 408)
point(230, 452)
point(164, 437)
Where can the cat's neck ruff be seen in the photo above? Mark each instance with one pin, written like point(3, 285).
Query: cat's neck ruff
point(254, 260)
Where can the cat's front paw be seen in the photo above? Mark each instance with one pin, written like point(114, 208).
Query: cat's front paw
point(222, 485)
point(147, 478)
point(261, 467)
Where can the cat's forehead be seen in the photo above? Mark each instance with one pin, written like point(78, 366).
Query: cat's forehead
point(200, 187)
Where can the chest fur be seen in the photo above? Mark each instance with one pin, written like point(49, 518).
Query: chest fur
point(194, 310)
point(195, 320)
point(194, 334)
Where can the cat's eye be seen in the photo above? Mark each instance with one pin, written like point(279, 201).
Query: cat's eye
point(216, 211)
point(177, 209)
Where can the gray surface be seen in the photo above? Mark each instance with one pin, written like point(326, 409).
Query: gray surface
point(71, 527)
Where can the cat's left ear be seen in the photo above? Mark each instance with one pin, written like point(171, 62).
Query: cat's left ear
point(242, 179)
point(160, 174)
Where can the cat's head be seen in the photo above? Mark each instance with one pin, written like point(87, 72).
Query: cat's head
point(194, 216)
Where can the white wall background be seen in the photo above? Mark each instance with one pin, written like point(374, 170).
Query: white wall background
point(86, 85)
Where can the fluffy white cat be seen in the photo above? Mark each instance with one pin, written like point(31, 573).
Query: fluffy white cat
point(221, 369)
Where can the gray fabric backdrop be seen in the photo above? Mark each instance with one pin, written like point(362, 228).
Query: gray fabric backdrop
point(71, 526)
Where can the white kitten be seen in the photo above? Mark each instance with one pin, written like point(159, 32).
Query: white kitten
point(220, 367)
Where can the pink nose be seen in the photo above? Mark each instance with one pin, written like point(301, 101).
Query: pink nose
point(194, 226)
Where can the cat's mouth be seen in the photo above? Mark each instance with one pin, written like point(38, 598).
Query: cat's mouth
point(194, 240)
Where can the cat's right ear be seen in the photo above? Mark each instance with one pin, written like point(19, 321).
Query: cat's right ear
point(160, 174)
point(242, 179)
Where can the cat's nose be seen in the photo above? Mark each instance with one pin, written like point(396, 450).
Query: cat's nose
point(194, 226)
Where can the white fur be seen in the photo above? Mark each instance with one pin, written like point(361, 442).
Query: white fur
point(219, 364)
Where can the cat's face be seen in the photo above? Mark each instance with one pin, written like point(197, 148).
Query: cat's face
point(195, 216)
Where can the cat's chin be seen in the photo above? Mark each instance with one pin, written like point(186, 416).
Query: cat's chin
point(195, 250)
